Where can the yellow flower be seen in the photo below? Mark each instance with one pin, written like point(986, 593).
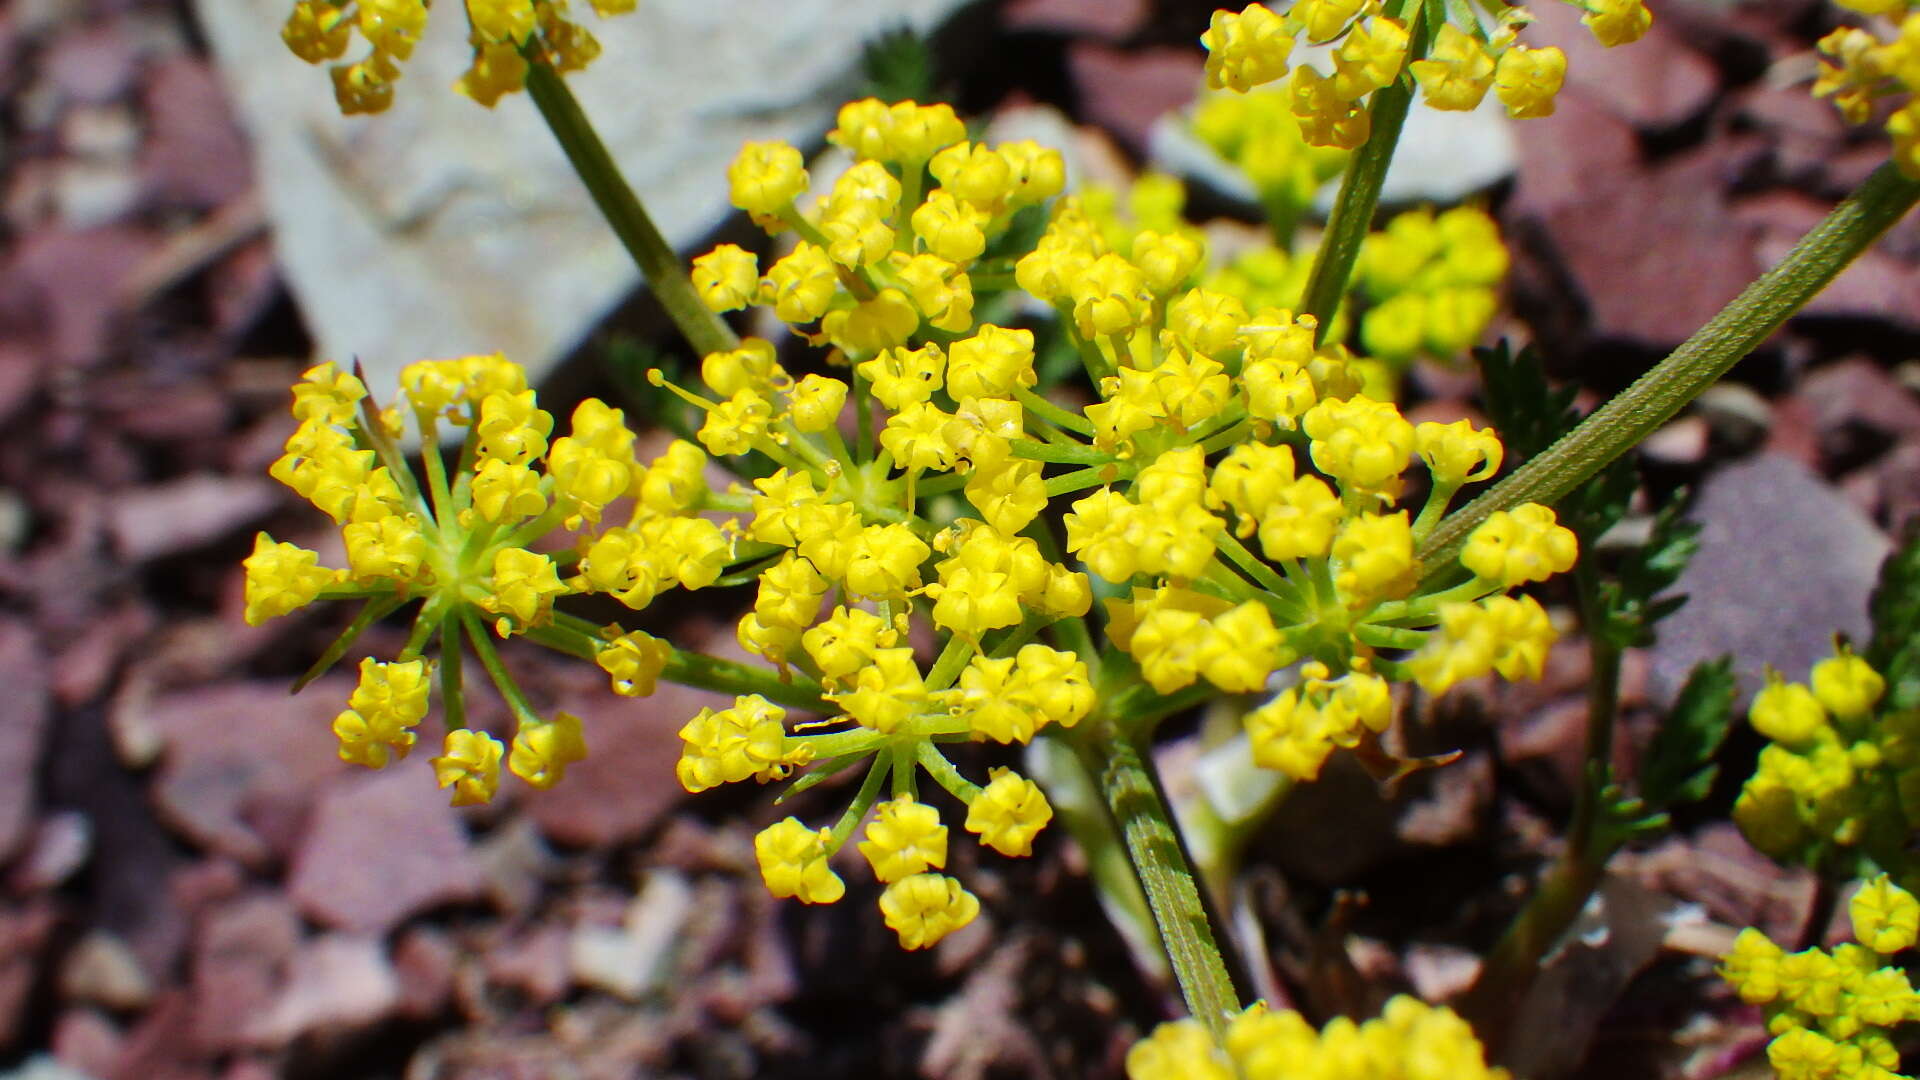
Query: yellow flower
point(542, 750)
point(1324, 20)
point(924, 908)
point(887, 692)
point(885, 562)
point(1846, 685)
point(815, 403)
point(845, 642)
point(1788, 713)
point(1518, 546)
point(904, 838)
point(281, 578)
point(389, 700)
point(951, 229)
point(1801, 1054)
point(1457, 70)
point(974, 174)
point(524, 585)
point(765, 177)
point(729, 745)
point(634, 661)
point(1886, 918)
point(1326, 117)
point(1178, 1050)
point(727, 278)
point(1110, 297)
point(327, 395)
point(882, 322)
point(900, 377)
point(1369, 58)
point(470, 766)
point(1167, 260)
point(1373, 556)
point(793, 862)
point(1246, 49)
point(993, 363)
point(364, 87)
point(504, 491)
point(1458, 453)
point(1526, 80)
point(317, 31)
point(801, 284)
point(1362, 443)
point(901, 132)
point(1617, 22)
point(1008, 813)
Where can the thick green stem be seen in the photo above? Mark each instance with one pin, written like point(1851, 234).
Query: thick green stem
point(1359, 196)
point(1515, 960)
point(1698, 363)
point(1510, 967)
point(1166, 876)
point(657, 261)
point(1603, 706)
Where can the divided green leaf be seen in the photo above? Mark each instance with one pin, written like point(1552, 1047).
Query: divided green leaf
point(1678, 767)
point(1895, 649)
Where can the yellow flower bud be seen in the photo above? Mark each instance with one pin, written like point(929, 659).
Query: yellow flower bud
point(765, 178)
point(1457, 71)
point(634, 661)
point(727, 278)
point(1008, 813)
point(281, 578)
point(542, 750)
point(924, 908)
point(1846, 685)
point(1247, 49)
point(904, 838)
point(793, 862)
point(1527, 80)
point(470, 766)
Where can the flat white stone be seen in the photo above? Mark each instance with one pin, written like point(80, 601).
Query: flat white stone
point(1442, 157)
point(440, 228)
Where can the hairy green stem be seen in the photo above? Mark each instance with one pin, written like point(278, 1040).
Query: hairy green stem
point(1515, 960)
point(1603, 699)
point(1359, 196)
point(1510, 967)
point(1133, 797)
point(595, 166)
point(575, 636)
point(1699, 362)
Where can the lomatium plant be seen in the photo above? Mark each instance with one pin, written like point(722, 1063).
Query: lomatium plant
point(1221, 501)
point(1240, 504)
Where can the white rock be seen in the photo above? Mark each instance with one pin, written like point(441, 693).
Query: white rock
point(1442, 157)
point(440, 228)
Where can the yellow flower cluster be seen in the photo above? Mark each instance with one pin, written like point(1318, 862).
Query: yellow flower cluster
point(1830, 1011)
point(1259, 135)
point(1834, 782)
point(1431, 282)
point(1370, 49)
point(1228, 494)
point(1409, 1040)
point(1858, 68)
point(878, 259)
point(463, 548)
point(504, 33)
point(1208, 420)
